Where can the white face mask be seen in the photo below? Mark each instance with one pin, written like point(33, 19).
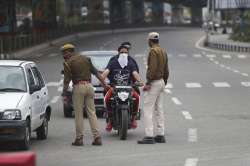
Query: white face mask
point(123, 59)
point(123, 55)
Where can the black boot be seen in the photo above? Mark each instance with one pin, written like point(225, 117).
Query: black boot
point(146, 140)
point(78, 142)
point(160, 139)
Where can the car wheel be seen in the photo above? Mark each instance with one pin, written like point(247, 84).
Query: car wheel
point(42, 131)
point(67, 111)
point(25, 143)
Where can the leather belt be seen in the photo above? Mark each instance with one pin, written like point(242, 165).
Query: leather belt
point(81, 82)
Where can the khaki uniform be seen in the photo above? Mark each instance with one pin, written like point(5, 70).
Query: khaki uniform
point(79, 69)
point(157, 76)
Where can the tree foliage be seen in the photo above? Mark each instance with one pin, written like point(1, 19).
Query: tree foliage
point(242, 33)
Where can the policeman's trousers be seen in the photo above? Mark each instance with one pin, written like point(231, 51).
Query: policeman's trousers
point(153, 110)
point(83, 95)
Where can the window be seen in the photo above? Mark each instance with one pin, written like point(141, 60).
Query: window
point(38, 76)
point(31, 80)
point(12, 78)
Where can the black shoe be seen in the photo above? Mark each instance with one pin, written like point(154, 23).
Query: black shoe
point(160, 139)
point(97, 141)
point(78, 142)
point(147, 140)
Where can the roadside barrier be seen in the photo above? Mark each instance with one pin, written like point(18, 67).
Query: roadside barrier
point(228, 47)
point(4, 56)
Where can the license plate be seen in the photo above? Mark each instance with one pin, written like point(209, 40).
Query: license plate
point(7, 131)
point(99, 96)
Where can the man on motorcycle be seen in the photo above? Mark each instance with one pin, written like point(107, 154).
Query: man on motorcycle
point(128, 46)
point(121, 70)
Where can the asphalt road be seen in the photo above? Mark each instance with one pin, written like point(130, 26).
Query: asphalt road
point(206, 107)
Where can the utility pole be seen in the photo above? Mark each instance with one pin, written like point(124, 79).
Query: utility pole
point(213, 12)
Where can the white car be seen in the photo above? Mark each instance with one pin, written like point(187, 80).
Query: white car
point(24, 105)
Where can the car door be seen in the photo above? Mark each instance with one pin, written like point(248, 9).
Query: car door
point(43, 91)
point(35, 99)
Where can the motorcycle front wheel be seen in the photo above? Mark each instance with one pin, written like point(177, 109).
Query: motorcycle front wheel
point(123, 128)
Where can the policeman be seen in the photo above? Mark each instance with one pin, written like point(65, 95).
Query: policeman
point(157, 76)
point(78, 69)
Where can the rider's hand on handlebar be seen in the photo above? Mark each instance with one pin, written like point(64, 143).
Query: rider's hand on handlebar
point(107, 87)
point(139, 84)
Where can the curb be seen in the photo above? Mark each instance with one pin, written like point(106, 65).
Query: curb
point(26, 53)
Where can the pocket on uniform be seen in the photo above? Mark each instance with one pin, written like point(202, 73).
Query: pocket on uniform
point(91, 91)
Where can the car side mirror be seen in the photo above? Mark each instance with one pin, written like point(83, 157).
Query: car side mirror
point(34, 88)
point(62, 72)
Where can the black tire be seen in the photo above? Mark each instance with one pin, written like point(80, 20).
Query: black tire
point(42, 131)
point(123, 129)
point(67, 111)
point(25, 143)
point(101, 113)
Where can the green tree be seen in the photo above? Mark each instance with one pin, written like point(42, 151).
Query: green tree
point(244, 35)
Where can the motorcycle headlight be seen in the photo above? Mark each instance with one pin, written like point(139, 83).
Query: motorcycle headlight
point(123, 95)
point(12, 115)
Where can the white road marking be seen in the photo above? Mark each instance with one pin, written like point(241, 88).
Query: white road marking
point(53, 54)
point(216, 62)
point(53, 84)
point(182, 55)
point(236, 71)
point(245, 74)
point(176, 101)
point(221, 84)
point(193, 85)
point(187, 115)
point(221, 65)
point(168, 91)
point(139, 55)
point(55, 99)
point(211, 56)
point(242, 56)
point(60, 89)
point(192, 135)
point(169, 86)
point(227, 56)
point(61, 81)
point(211, 59)
point(246, 84)
point(197, 55)
point(228, 68)
point(191, 162)
point(170, 55)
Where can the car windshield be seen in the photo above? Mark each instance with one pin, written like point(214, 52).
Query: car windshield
point(12, 79)
point(100, 62)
